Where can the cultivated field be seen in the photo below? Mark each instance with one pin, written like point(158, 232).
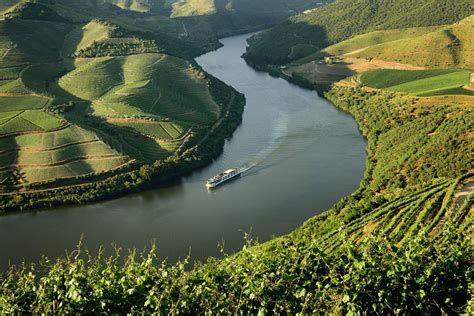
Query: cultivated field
point(160, 130)
point(428, 210)
point(420, 82)
point(145, 84)
point(65, 153)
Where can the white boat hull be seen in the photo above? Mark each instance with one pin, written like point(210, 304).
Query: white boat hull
point(225, 179)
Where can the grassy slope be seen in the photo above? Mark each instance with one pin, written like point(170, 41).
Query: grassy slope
point(366, 40)
point(154, 102)
point(443, 47)
point(198, 32)
point(242, 7)
point(140, 84)
point(344, 18)
point(133, 5)
point(83, 36)
point(193, 7)
point(420, 83)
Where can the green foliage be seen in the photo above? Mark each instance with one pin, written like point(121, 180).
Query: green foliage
point(118, 48)
point(342, 19)
point(286, 276)
point(411, 143)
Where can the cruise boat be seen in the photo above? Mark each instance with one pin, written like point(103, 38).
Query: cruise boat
point(224, 176)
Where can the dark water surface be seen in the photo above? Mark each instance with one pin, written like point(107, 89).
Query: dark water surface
point(307, 155)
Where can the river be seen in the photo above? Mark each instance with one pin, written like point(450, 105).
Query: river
point(307, 155)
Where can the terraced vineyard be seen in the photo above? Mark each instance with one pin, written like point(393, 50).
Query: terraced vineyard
point(426, 212)
point(51, 155)
point(64, 117)
point(131, 86)
point(160, 130)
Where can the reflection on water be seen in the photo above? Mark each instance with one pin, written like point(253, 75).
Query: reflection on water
point(306, 155)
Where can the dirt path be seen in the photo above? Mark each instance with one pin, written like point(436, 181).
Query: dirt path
point(462, 194)
point(360, 50)
point(362, 64)
point(185, 33)
point(459, 198)
point(156, 101)
point(470, 85)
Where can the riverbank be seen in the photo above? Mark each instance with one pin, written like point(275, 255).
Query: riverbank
point(413, 147)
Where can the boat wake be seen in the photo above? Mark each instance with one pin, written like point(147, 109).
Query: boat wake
point(279, 133)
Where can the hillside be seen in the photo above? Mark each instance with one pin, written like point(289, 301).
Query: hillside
point(434, 47)
point(90, 101)
point(198, 22)
point(108, 68)
point(342, 19)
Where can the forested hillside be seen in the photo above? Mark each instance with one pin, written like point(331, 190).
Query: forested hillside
point(345, 18)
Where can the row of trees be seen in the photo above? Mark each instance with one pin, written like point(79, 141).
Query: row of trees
point(118, 48)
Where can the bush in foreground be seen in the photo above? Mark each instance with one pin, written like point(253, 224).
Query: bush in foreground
point(374, 276)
